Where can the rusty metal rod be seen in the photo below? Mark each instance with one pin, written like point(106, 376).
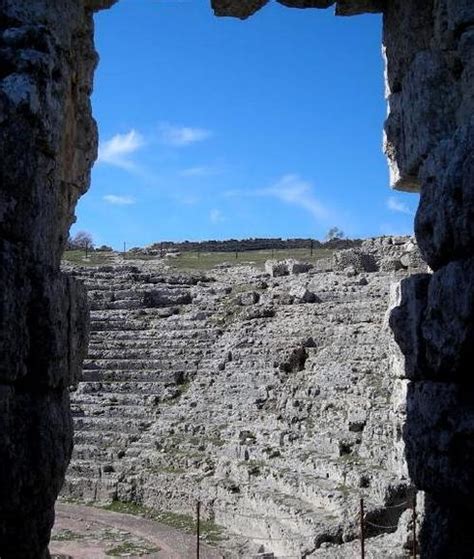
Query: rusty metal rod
point(415, 550)
point(198, 528)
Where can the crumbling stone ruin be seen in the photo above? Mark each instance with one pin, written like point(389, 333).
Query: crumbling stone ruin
point(48, 144)
point(242, 245)
point(266, 396)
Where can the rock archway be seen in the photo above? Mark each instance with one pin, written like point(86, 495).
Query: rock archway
point(48, 145)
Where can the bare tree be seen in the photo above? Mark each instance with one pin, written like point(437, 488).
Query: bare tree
point(82, 240)
point(334, 233)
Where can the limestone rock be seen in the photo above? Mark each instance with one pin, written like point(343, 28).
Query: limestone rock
point(248, 298)
point(448, 324)
point(241, 9)
point(360, 261)
point(445, 218)
point(406, 320)
point(430, 406)
point(166, 298)
point(302, 295)
point(356, 7)
point(47, 145)
point(269, 404)
point(245, 8)
point(296, 267)
point(391, 265)
point(276, 268)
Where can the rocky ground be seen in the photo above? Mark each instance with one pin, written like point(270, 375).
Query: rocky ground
point(91, 533)
point(265, 395)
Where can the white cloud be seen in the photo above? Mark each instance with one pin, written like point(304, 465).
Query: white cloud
point(398, 206)
point(119, 200)
point(118, 149)
point(291, 189)
point(179, 136)
point(216, 216)
point(203, 171)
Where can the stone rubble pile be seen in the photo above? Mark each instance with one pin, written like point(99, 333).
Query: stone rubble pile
point(267, 397)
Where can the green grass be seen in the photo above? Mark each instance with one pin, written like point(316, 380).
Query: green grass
point(128, 549)
point(67, 536)
point(127, 508)
point(78, 257)
point(207, 260)
point(193, 261)
point(210, 531)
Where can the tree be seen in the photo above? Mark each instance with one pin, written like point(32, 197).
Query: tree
point(334, 233)
point(82, 240)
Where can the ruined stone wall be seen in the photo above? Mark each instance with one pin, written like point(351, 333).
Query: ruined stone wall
point(47, 146)
point(263, 395)
point(430, 139)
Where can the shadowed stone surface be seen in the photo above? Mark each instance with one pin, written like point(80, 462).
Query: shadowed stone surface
point(245, 8)
point(47, 145)
point(430, 144)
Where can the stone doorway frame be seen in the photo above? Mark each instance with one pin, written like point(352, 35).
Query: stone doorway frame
point(48, 143)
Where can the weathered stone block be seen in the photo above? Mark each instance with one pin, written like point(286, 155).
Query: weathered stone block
point(356, 7)
point(296, 267)
point(445, 219)
point(245, 8)
point(446, 532)
point(237, 8)
point(35, 447)
point(421, 114)
point(165, 298)
point(460, 13)
point(276, 268)
point(307, 3)
point(439, 438)
point(301, 294)
point(248, 298)
point(360, 261)
point(448, 323)
point(466, 56)
point(406, 321)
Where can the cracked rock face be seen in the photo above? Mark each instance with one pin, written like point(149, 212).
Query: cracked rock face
point(245, 8)
point(430, 144)
point(262, 395)
point(47, 145)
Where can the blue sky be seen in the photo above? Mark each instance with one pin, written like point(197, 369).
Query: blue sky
point(218, 128)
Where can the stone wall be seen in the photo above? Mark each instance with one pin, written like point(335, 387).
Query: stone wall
point(47, 146)
point(430, 140)
point(247, 245)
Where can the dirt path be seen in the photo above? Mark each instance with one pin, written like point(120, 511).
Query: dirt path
point(83, 532)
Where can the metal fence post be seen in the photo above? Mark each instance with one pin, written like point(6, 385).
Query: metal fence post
point(198, 527)
point(415, 551)
point(362, 532)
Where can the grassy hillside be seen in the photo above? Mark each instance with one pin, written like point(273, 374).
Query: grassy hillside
point(194, 260)
point(207, 260)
